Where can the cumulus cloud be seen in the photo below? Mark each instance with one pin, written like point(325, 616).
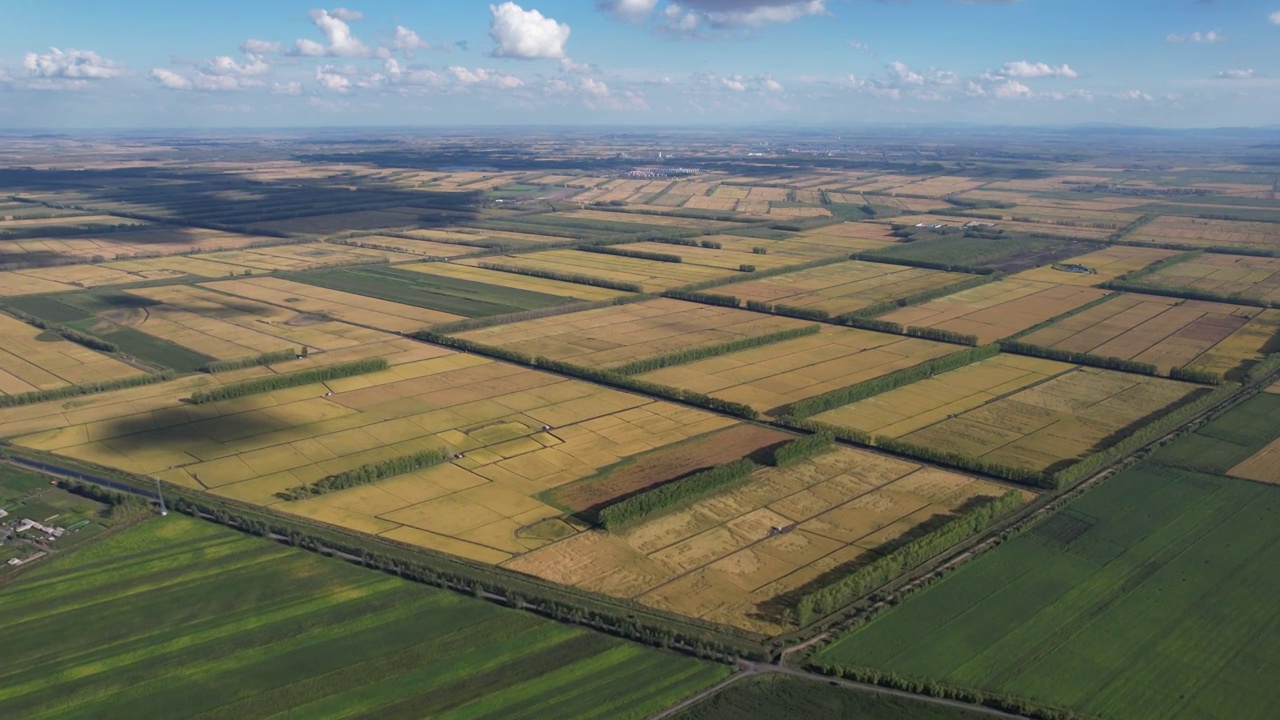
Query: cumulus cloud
point(339, 40)
point(407, 41)
point(569, 65)
point(526, 34)
point(904, 74)
point(1213, 36)
point(688, 15)
point(1026, 70)
point(347, 15)
point(1010, 90)
point(292, 87)
point(225, 66)
point(1236, 74)
point(1274, 18)
point(170, 79)
point(333, 79)
point(259, 47)
point(1134, 95)
point(71, 65)
point(629, 10)
point(481, 76)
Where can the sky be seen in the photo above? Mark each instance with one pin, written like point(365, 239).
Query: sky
point(68, 64)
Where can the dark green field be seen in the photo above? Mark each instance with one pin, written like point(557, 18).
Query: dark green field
point(452, 295)
point(1228, 440)
point(1012, 254)
point(27, 495)
point(177, 618)
point(152, 349)
point(1152, 597)
point(774, 697)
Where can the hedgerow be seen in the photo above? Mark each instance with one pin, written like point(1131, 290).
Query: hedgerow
point(678, 492)
point(280, 382)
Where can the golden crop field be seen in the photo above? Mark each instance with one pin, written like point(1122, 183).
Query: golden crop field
point(1254, 278)
point(843, 287)
point(649, 274)
point(419, 247)
point(1037, 415)
point(518, 282)
point(733, 253)
point(1107, 264)
point(1013, 226)
point(798, 211)
point(1195, 232)
point(997, 310)
point(846, 238)
point(774, 375)
point(721, 558)
point(347, 307)
point(227, 327)
point(479, 506)
point(1166, 332)
point(1263, 466)
point(613, 336)
point(146, 240)
point(33, 359)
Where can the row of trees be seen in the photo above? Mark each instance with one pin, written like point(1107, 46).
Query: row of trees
point(598, 376)
point(39, 396)
point(823, 601)
point(637, 254)
point(843, 396)
point(963, 461)
point(946, 336)
point(1003, 703)
point(564, 277)
point(1188, 293)
point(923, 297)
point(289, 380)
point(1079, 358)
point(1204, 377)
point(873, 324)
point(801, 449)
point(704, 298)
point(694, 354)
point(270, 358)
point(689, 242)
point(675, 493)
point(365, 474)
point(93, 342)
point(884, 257)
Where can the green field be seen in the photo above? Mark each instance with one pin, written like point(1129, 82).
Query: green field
point(178, 618)
point(152, 349)
point(784, 698)
point(958, 252)
point(1228, 440)
point(1152, 597)
point(28, 495)
point(434, 292)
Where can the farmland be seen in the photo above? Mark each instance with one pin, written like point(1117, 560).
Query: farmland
point(1167, 332)
point(772, 376)
point(997, 310)
point(1241, 443)
point(33, 359)
point(1160, 578)
point(787, 697)
point(1196, 232)
point(1103, 265)
point(613, 336)
point(960, 252)
point(281, 631)
point(650, 275)
point(1255, 279)
point(1022, 412)
point(843, 287)
point(458, 296)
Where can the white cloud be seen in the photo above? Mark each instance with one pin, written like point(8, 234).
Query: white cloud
point(331, 78)
point(216, 83)
point(734, 83)
point(1236, 74)
point(287, 88)
point(1024, 69)
point(904, 74)
point(259, 47)
point(595, 88)
point(526, 34)
point(407, 41)
point(772, 85)
point(568, 65)
point(170, 79)
point(755, 13)
point(340, 40)
point(224, 65)
point(629, 10)
point(1213, 36)
point(347, 15)
point(1134, 95)
point(1274, 18)
point(678, 21)
point(1010, 90)
point(71, 64)
point(481, 76)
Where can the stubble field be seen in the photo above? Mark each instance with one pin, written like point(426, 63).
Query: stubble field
point(997, 310)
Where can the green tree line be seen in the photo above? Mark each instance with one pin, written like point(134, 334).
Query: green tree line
point(1204, 377)
point(494, 320)
point(704, 298)
point(832, 597)
point(962, 461)
point(801, 449)
point(946, 336)
point(683, 357)
point(636, 254)
point(39, 396)
point(564, 277)
point(365, 474)
point(264, 359)
point(289, 380)
point(675, 493)
point(1079, 358)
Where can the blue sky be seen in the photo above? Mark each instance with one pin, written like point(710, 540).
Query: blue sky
point(241, 63)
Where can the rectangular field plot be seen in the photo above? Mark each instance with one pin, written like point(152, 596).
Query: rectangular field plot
point(33, 359)
point(843, 287)
point(1097, 267)
point(1078, 232)
point(847, 237)
point(1167, 332)
point(1044, 416)
point(477, 506)
point(147, 239)
point(1009, 255)
point(614, 336)
point(456, 296)
point(410, 246)
point(769, 377)
point(511, 281)
point(722, 558)
point(1158, 579)
point(649, 274)
point(355, 309)
point(1242, 443)
point(733, 253)
point(1255, 279)
point(274, 620)
point(997, 310)
point(1196, 233)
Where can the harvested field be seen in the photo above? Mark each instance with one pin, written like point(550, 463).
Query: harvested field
point(148, 240)
point(347, 307)
point(442, 293)
point(1043, 416)
point(1264, 466)
point(938, 187)
point(769, 377)
point(846, 238)
point(252, 448)
point(614, 336)
point(997, 310)
point(1196, 233)
point(33, 359)
point(722, 558)
point(1106, 264)
point(649, 274)
point(732, 255)
point(1167, 332)
point(1013, 226)
point(843, 287)
point(516, 282)
point(1252, 278)
point(417, 247)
